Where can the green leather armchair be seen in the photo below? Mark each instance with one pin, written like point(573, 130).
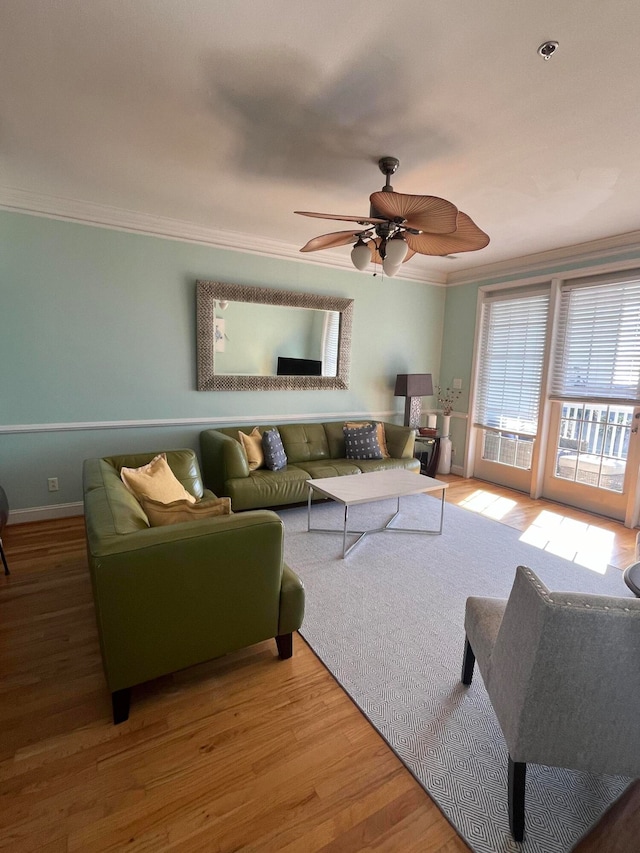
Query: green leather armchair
point(170, 597)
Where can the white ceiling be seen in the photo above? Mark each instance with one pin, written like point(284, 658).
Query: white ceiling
point(228, 116)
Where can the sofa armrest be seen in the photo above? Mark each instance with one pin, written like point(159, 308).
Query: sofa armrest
point(222, 459)
point(170, 597)
point(291, 602)
point(400, 440)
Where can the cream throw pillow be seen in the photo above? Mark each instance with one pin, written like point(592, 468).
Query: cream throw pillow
point(156, 481)
point(252, 444)
point(382, 441)
point(160, 514)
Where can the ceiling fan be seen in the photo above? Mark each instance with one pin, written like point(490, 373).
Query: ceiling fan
point(399, 226)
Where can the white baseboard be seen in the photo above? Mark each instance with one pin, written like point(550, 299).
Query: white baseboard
point(44, 513)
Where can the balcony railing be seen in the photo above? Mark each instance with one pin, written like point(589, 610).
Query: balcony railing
point(592, 446)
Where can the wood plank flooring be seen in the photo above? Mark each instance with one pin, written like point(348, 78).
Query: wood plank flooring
point(246, 753)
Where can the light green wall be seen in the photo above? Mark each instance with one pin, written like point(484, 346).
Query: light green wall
point(457, 356)
point(98, 325)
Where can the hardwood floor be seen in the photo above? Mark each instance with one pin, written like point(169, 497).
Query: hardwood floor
point(246, 753)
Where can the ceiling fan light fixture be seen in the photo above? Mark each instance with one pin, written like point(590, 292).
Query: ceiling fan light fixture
point(396, 251)
point(390, 269)
point(361, 255)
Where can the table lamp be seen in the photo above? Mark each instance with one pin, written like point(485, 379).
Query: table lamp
point(413, 386)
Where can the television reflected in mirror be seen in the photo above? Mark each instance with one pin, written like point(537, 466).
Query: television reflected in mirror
point(299, 366)
point(255, 338)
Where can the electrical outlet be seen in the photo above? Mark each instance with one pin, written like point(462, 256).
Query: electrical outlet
point(457, 384)
point(52, 483)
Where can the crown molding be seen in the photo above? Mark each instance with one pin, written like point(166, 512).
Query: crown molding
point(550, 261)
point(120, 219)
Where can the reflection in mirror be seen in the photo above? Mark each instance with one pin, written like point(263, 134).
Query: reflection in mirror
point(252, 338)
point(270, 340)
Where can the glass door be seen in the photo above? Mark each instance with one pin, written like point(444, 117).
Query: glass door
point(589, 447)
point(505, 458)
point(509, 374)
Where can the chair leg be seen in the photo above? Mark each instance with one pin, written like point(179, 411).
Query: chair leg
point(285, 646)
point(4, 560)
point(468, 662)
point(120, 702)
point(517, 775)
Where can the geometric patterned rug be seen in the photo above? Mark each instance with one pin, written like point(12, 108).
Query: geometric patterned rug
point(387, 622)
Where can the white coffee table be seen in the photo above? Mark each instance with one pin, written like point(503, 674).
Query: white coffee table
point(377, 486)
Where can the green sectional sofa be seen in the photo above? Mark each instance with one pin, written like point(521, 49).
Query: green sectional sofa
point(314, 450)
point(170, 597)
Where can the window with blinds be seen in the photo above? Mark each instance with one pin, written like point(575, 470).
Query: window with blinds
point(511, 358)
point(597, 349)
point(330, 343)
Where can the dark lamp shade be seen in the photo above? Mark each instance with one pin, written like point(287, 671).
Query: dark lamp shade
point(413, 385)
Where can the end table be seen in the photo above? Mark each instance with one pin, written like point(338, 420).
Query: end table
point(427, 450)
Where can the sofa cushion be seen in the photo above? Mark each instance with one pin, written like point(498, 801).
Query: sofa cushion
point(252, 444)
point(155, 480)
point(368, 465)
point(329, 468)
point(268, 488)
point(161, 514)
point(275, 457)
point(304, 442)
point(334, 431)
point(362, 442)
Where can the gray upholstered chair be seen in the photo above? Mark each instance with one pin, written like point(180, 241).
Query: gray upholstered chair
point(563, 674)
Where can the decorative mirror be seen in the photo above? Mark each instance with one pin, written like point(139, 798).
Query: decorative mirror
point(258, 339)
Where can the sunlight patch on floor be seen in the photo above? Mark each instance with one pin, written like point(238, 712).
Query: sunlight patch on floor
point(582, 543)
point(487, 504)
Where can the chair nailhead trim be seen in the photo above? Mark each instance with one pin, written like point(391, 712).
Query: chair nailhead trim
point(545, 594)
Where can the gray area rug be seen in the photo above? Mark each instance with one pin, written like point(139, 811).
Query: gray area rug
point(388, 624)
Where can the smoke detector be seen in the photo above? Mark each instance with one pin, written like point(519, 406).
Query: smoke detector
point(547, 49)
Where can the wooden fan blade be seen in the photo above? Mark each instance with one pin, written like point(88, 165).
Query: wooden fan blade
point(467, 238)
point(363, 219)
point(422, 212)
point(373, 248)
point(328, 241)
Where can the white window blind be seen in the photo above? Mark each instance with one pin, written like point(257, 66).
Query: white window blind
point(597, 350)
point(511, 360)
point(330, 343)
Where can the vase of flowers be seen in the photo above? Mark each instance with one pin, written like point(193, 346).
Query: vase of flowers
point(446, 398)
